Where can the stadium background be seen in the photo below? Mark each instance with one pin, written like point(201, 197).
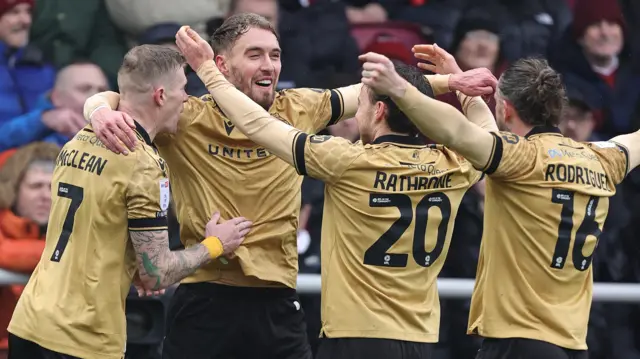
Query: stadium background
point(76, 46)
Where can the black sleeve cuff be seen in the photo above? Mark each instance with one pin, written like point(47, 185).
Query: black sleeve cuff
point(337, 106)
point(298, 153)
point(148, 224)
point(496, 155)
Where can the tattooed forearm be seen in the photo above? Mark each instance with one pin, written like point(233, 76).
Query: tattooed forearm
point(160, 267)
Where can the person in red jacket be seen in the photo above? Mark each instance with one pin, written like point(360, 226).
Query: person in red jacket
point(25, 202)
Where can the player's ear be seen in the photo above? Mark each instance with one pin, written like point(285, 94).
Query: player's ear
point(221, 63)
point(509, 111)
point(159, 96)
point(380, 110)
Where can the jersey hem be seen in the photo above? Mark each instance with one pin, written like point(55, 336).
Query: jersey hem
point(527, 334)
point(240, 279)
point(62, 349)
point(377, 334)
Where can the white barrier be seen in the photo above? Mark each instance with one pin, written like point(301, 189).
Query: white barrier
point(448, 287)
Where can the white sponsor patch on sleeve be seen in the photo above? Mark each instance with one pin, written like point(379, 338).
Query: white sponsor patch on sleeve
point(604, 144)
point(165, 196)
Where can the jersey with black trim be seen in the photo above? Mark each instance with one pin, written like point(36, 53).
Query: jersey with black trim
point(75, 299)
point(214, 167)
point(546, 201)
point(389, 213)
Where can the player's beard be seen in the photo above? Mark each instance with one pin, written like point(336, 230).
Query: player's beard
point(247, 86)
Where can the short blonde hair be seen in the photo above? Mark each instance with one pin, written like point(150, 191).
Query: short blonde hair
point(145, 64)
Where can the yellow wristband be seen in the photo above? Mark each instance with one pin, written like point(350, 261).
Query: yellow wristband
point(214, 246)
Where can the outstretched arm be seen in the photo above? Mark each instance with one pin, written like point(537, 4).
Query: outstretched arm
point(439, 121)
point(632, 143)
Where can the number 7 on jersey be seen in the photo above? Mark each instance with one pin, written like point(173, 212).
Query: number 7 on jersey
point(76, 195)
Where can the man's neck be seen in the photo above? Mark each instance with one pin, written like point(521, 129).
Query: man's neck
point(520, 128)
point(141, 116)
point(602, 64)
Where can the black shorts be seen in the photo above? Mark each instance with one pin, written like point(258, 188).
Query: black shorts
point(370, 348)
point(213, 321)
point(518, 348)
point(24, 349)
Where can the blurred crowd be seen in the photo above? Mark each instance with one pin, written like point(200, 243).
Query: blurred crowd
point(54, 54)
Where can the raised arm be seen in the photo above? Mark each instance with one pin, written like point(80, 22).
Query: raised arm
point(477, 112)
point(439, 121)
point(441, 62)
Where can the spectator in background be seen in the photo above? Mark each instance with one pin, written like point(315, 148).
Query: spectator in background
point(592, 57)
point(476, 43)
point(577, 121)
point(365, 12)
point(165, 34)
point(67, 31)
point(23, 74)
point(25, 202)
point(58, 115)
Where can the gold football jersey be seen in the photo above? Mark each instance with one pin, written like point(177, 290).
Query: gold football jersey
point(389, 212)
point(214, 167)
point(74, 302)
point(547, 198)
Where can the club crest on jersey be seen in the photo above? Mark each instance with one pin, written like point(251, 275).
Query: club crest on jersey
point(165, 194)
point(228, 126)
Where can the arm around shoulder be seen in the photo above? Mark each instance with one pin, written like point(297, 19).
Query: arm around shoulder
point(107, 99)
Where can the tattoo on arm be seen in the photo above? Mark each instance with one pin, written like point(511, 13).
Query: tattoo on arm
point(159, 266)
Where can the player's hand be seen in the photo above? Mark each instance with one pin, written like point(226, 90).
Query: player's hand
point(379, 73)
point(193, 47)
point(114, 128)
point(64, 121)
point(142, 292)
point(231, 232)
point(476, 82)
point(438, 60)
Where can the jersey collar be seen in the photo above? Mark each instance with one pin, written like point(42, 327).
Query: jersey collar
point(399, 139)
point(538, 130)
point(143, 133)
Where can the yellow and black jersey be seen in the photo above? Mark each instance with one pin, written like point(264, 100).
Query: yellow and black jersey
point(74, 301)
point(547, 198)
point(214, 167)
point(389, 212)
